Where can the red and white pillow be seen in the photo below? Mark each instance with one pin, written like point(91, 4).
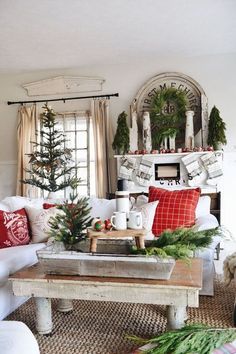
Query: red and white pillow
point(175, 208)
point(14, 228)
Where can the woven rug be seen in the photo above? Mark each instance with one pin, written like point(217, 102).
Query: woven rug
point(101, 327)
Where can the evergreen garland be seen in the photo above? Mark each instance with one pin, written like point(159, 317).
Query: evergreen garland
point(121, 140)
point(178, 244)
point(50, 168)
point(69, 226)
point(194, 338)
point(216, 129)
point(164, 124)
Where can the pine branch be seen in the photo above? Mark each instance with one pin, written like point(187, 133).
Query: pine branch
point(179, 244)
point(194, 338)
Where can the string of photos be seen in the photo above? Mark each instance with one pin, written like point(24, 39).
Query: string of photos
point(142, 171)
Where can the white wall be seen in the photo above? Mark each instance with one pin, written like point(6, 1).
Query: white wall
point(216, 74)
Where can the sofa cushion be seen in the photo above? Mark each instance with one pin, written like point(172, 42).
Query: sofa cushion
point(39, 222)
point(14, 228)
point(175, 209)
point(14, 258)
point(17, 202)
point(103, 208)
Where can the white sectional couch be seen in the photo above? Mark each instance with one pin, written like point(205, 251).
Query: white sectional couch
point(15, 258)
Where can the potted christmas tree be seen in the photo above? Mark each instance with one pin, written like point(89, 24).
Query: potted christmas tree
point(69, 225)
point(50, 163)
point(121, 140)
point(216, 130)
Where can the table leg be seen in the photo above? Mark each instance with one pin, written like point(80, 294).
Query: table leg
point(93, 244)
point(176, 316)
point(64, 305)
point(137, 241)
point(141, 242)
point(43, 315)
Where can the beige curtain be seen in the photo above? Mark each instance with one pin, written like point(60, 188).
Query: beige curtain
point(26, 134)
point(105, 162)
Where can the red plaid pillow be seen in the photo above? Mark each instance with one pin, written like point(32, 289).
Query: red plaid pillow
point(14, 229)
point(175, 208)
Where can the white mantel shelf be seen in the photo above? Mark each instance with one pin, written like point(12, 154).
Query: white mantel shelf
point(174, 154)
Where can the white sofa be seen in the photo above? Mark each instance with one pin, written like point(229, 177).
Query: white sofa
point(16, 337)
point(15, 258)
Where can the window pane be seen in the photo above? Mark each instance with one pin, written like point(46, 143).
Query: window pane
point(83, 190)
point(81, 140)
point(81, 157)
point(59, 125)
point(81, 123)
point(69, 123)
point(82, 174)
point(70, 140)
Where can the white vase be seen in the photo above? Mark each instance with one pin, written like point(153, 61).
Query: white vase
point(52, 195)
point(189, 133)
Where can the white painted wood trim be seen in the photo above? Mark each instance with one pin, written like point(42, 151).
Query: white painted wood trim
point(64, 85)
point(117, 292)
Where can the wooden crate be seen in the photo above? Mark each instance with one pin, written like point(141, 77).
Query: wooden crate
point(105, 265)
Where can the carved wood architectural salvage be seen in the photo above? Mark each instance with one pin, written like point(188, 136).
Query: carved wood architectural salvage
point(64, 85)
point(196, 97)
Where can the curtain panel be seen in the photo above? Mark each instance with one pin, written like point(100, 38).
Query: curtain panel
point(26, 134)
point(103, 135)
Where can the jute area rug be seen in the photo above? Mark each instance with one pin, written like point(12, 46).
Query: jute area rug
point(101, 327)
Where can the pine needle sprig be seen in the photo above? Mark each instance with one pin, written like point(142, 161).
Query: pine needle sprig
point(194, 338)
point(179, 244)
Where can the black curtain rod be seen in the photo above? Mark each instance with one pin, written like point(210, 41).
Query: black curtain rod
point(64, 99)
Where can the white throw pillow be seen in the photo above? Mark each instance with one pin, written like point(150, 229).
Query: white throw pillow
point(39, 222)
point(148, 211)
point(203, 206)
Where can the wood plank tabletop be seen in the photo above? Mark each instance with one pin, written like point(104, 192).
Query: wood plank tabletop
point(184, 275)
point(115, 233)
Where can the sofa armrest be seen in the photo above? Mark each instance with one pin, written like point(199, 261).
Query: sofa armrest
point(205, 222)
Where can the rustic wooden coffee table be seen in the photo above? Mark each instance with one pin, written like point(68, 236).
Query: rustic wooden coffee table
point(180, 291)
point(137, 234)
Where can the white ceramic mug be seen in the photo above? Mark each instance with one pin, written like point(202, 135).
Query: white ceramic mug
point(119, 221)
point(135, 220)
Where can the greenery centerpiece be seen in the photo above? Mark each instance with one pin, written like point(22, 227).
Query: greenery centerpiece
point(69, 225)
point(216, 129)
point(50, 163)
point(167, 114)
point(178, 244)
point(121, 139)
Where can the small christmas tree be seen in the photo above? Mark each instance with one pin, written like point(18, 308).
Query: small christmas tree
point(216, 129)
point(50, 168)
point(121, 140)
point(69, 226)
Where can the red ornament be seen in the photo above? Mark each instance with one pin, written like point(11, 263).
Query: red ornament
point(107, 224)
point(154, 152)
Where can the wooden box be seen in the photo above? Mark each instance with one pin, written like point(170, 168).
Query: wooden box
point(104, 265)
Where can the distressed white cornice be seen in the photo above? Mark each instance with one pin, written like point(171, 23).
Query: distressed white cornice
point(64, 85)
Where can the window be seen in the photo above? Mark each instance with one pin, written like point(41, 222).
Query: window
point(78, 130)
